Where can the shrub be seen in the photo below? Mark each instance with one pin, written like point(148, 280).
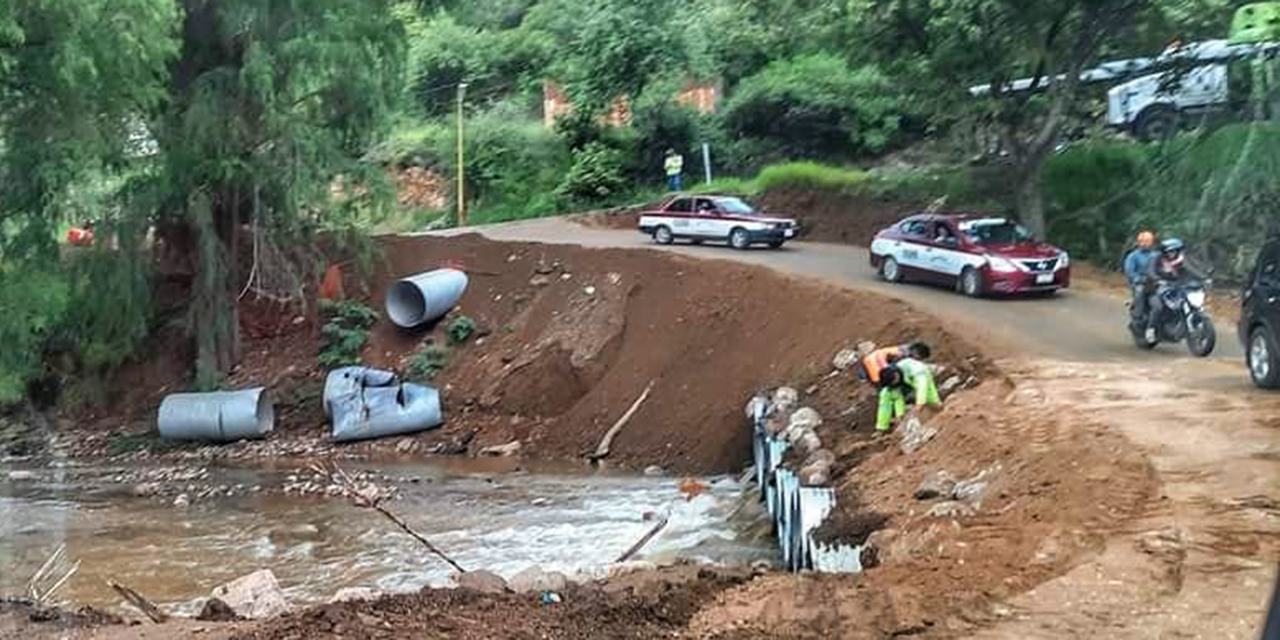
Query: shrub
point(427, 362)
point(345, 332)
point(816, 106)
point(1091, 196)
point(461, 329)
point(597, 173)
point(34, 302)
point(809, 176)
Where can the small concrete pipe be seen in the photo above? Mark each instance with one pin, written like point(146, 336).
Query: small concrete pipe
point(217, 417)
point(417, 300)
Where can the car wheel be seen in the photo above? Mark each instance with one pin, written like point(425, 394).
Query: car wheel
point(739, 238)
point(971, 283)
point(890, 270)
point(1264, 359)
point(1157, 123)
point(662, 235)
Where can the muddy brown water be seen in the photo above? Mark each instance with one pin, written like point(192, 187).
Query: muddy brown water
point(485, 514)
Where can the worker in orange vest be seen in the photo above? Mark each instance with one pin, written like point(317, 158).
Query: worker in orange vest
point(874, 362)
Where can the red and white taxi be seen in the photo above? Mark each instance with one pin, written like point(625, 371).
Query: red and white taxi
point(717, 219)
point(976, 255)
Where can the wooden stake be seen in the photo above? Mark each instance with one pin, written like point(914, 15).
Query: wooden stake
point(635, 548)
point(142, 604)
point(602, 451)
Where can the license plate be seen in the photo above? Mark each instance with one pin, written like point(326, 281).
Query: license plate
point(1044, 278)
point(790, 233)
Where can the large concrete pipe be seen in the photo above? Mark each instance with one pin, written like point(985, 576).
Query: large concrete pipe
point(217, 417)
point(367, 403)
point(420, 299)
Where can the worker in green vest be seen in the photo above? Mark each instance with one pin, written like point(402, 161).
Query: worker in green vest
point(903, 377)
point(674, 166)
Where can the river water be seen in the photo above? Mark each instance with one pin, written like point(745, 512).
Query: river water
point(485, 514)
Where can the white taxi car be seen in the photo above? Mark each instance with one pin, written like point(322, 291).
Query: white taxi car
point(715, 218)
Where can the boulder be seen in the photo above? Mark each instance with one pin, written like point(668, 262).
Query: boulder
point(845, 359)
point(503, 450)
point(815, 475)
point(535, 580)
point(951, 509)
point(949, 386)
point(935, 486)
point(973, 489)
point(785, 397)
point(481, 581)
point(914, 434)
point(822, 455)
point(804, 418)
point(255, 596)
point(808, 443)
point(355, 594)
point(865, 348)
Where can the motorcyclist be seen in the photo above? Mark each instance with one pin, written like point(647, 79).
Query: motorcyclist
point(1136, 266)
point(1170, 269)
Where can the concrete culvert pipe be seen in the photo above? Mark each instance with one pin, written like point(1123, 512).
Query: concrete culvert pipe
point(417, 300)
point(217, 417)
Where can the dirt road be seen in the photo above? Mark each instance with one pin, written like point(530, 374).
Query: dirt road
point(1202, 564)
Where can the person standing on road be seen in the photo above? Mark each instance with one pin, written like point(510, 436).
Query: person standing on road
point(1136, 266)
point(907, 375)
point(674, 166)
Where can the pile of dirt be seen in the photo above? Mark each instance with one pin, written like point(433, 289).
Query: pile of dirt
point(643, 605)
point(575, 336)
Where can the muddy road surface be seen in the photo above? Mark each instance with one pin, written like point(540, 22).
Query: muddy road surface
point(1200, 564)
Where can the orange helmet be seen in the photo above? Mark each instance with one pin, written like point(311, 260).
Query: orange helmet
point(1146, 239)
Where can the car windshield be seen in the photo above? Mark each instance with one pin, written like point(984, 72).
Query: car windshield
point(991, 232)
point(734, 205)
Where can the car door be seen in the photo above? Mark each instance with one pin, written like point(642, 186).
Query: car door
point(944, 256)
point(1267, 286)
point(679, 212)
point(911, 248)
point(708, 220)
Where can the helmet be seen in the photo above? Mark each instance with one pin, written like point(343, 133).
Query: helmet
point(1146, 239)
point(1172, 246)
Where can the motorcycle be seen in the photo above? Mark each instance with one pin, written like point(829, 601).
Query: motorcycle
point(1182, 316)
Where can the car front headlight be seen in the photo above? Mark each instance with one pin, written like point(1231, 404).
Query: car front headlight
point(1064, 260)
point(1002, 265)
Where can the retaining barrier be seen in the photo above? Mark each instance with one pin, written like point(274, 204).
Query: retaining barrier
point(797, 510)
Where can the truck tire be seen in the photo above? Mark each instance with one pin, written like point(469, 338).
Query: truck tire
point(1156, 123)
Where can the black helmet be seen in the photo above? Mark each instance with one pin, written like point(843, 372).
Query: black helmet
point(1172, 245)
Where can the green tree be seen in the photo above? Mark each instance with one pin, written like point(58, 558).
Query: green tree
point(941, 48)
point(269, 102)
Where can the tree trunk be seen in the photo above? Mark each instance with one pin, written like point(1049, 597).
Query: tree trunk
point(1030, 200)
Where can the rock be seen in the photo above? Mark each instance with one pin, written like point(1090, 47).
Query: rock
point(785, 398)
point(951, 509)
point(804, 418)
point(974, 488)
point(777, 419)
point(534, 579)
point(503, 450)
point(815, 475)
point(591, 291)
point(865, 348)
point(22, 475)
point(405, 445)
point(949, 386)
point(182, 501)
point(845, 359)
point(824, 456)
point(146, 489)
point(914, 435)
point(481, 581)
point(539, 280)
point(935, 486)
point(355, 594)
point(257, 595)
point(620, 569)
point(215, 610)
point(808, 444)
point(654, 470)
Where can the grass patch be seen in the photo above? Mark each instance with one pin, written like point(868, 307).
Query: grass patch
point(809, 176)
point(735, 186)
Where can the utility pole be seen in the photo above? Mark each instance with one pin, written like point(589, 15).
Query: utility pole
point(462, 167)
